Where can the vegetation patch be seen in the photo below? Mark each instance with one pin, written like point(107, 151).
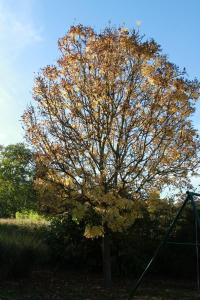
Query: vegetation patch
point(22, 248)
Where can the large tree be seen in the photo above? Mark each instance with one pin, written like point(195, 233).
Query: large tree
point(111, 122)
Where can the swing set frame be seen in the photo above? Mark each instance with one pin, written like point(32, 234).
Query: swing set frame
point(189, 198)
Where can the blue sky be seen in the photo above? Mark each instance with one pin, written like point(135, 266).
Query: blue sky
point(29, 30)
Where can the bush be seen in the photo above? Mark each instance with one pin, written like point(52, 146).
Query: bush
point(69, 248)
point(133, 250)
point(31, 215)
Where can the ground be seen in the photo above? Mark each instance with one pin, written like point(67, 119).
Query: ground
point(52, 285)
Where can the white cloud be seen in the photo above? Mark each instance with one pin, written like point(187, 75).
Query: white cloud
point(25, 33)
point(18, 33)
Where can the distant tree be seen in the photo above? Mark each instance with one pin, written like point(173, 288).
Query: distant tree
point(111, 122)
point(16, 179)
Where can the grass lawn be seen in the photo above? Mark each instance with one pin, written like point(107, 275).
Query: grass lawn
point(21, 242)
point(49, 285)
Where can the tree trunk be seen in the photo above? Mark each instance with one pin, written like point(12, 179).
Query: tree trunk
point(106, 261)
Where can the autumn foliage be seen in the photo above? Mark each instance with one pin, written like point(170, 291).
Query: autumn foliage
point(110, 122)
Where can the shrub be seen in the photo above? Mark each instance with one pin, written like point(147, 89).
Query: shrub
point(68, 246)
point(29, 215)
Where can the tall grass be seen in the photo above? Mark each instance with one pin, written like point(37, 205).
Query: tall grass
point(22, 248)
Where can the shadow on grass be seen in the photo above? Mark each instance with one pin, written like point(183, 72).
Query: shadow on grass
point(50, 285)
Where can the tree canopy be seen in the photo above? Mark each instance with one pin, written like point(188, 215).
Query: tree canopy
point(111, 122)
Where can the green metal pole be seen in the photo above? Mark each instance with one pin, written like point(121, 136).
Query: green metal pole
point(195, 208)
point(133, 292)
point(197, 252)
point(197, 224)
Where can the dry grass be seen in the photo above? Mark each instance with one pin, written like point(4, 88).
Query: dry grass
point(23, 222)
